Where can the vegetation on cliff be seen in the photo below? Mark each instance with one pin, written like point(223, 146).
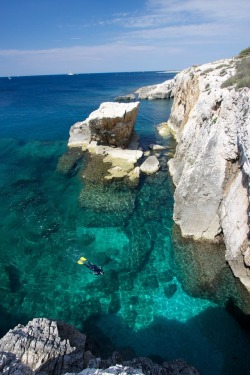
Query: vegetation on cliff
point(242, 77)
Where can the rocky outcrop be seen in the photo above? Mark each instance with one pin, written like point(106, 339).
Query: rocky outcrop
point(163, 90)
point(112, 125)
point(211, 165)
point(46, 347)
point(42, 347)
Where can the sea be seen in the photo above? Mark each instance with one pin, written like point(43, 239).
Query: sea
point(161, 296)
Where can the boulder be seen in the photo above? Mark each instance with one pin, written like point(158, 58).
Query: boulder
point(112, 124)
point(150, 165)
point(163, 90)
point(164, 130)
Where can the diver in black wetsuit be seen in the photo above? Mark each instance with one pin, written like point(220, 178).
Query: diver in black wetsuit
point(96, 270)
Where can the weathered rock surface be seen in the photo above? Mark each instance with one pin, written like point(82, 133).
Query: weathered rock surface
point(45, 347)
point(111, 124)
point(211, 165)
point(42, 347)
point(163, 90)
point(125, 97)
point(150, 165)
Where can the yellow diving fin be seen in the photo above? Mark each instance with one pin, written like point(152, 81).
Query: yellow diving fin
point(82, 260)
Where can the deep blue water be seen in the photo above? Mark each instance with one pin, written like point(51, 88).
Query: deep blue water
point(153, 300)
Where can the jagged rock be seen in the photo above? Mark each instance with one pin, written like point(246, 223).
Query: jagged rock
point(45, 347)
point(111, 124)
point(150, 165)
point(163, 90)
point(80, 135)
point(42, 347)
point(211, 165)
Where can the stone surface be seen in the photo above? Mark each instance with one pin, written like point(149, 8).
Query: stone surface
point(42, 347)
point(211, 165)
point(164, 130)
point(111, 124)
point(163, 90)
point(45, 347)
point(150, 165)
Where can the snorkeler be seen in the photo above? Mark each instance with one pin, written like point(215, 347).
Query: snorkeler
point(96, 270)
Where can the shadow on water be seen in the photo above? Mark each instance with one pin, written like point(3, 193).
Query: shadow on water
point(9, 320)
point(203, 272)
point(204, 341)
point(14, 278)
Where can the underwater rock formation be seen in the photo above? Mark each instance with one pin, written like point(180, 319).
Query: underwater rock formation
point(211, 166)
point(44, 347)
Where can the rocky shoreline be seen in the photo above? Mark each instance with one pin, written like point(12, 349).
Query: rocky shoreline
point(46, 347)
point(211, 165)
point(210, 168)
point(211, 172)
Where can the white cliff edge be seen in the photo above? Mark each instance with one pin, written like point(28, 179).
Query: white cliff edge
point(211, 166)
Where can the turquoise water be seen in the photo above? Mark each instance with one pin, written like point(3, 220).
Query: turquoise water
point(160, 295)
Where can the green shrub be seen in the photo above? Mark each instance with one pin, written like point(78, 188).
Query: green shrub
point(222, 66)
point(207, 71)
point(245, 52)
point(242, 77)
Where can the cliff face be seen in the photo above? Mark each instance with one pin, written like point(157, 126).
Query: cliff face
point(211, 166)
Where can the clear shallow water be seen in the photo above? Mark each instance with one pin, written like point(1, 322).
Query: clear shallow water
point(141, 305)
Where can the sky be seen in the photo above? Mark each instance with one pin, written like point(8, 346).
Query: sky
point(91, 36)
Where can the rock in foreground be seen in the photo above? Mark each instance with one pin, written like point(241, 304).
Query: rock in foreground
point(42, 347)
point(46, 347)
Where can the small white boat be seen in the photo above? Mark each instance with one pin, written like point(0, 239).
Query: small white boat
point(71, 74)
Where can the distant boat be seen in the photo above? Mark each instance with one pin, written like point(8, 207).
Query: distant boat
point(9, 77)
point(71, 74)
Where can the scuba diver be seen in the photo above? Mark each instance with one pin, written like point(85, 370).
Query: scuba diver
point(96, 270)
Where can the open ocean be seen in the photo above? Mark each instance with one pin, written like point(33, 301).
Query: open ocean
point(153, 300)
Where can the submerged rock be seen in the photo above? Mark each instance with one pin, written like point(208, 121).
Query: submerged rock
point(68, 162)
point(150, 165)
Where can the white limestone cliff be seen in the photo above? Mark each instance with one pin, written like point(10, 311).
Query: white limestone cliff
point(163, 90)
point(211, 166)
